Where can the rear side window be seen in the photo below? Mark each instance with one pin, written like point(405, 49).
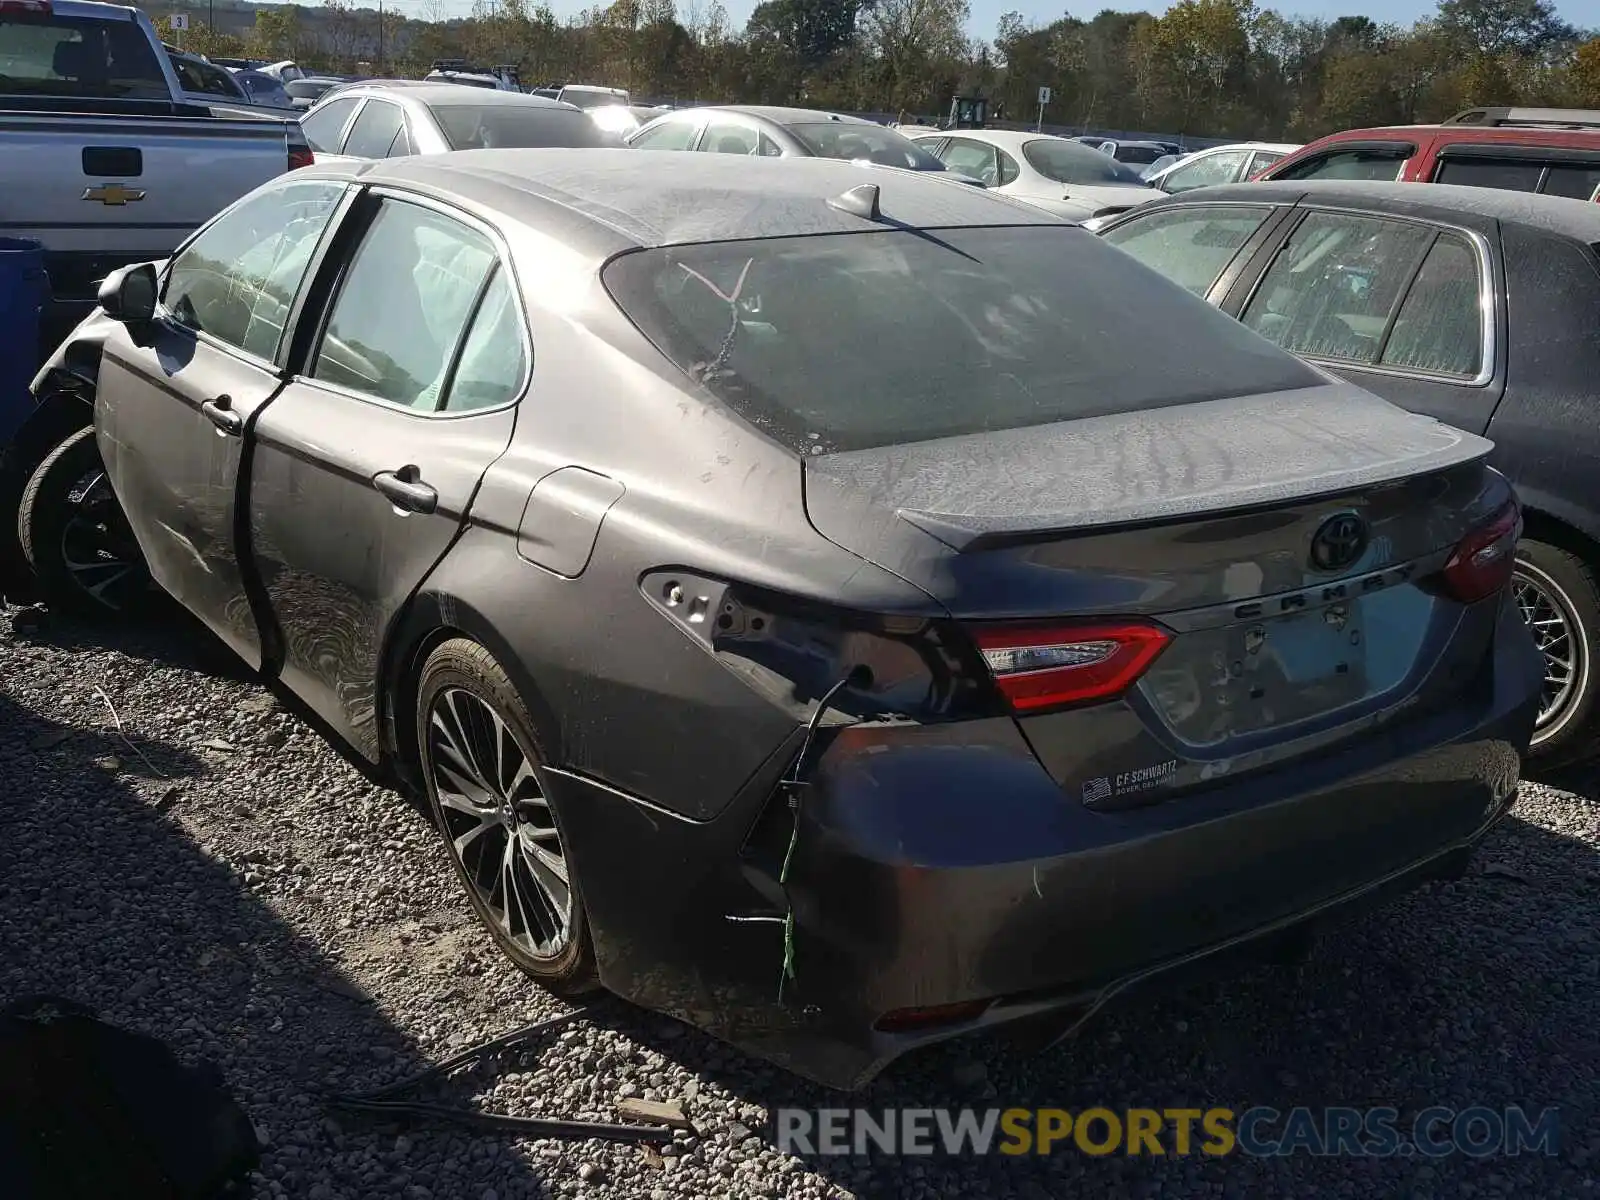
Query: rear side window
point(1508, 175)
point(323, 127)
point(1439, 329)
point(1190, 246)
point(727, 137)
point(50, 54)
point(845, 341)
point(1335, 283)
point(375, 130)
point(1575, 180)
point(1348, 164)
point(975, 160)
point(403, 306)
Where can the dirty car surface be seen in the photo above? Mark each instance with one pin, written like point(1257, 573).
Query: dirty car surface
point(751, 579)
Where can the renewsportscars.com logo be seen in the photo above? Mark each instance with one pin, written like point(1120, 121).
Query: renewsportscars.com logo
point(1260, 1132)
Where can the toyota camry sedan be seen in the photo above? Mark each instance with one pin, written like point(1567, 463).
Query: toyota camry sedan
point(802, 602)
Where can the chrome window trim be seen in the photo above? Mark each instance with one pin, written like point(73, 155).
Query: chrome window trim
point(504, 261)
point(1488, 324)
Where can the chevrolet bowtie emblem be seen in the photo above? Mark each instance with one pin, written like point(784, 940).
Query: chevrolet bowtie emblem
point(113, 193)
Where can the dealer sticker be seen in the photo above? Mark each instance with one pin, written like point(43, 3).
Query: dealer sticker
point(1128, 783)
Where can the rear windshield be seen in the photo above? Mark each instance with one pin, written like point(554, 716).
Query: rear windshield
point(590, 97)
point(1073, 162)
point(506, 126)
point(848, 341)
point(850, 141)
point(42, 54)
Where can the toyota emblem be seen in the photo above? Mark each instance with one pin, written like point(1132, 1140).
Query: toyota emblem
point(1339, 542)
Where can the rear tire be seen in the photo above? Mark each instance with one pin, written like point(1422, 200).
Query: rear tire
point(74, 537)
point(1559, 596)
point(477, 750)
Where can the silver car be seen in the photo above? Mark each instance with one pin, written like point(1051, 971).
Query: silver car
point(383, 120)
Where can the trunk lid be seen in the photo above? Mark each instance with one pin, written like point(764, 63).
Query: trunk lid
point(1210, 519)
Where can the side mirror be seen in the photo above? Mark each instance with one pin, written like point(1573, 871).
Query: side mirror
point(129, 294)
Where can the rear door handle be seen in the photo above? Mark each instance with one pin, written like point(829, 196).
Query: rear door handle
point(406, 489)
point(219, 411)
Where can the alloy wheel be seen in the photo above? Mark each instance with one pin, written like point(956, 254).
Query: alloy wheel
point(498, 823)
point(98, 548)
point(1554, 625)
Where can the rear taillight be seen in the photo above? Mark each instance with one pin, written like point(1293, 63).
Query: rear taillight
point(1039, 666)
point(301, 156)
point(1482, 563)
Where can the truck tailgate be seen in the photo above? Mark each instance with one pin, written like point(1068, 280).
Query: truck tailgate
point(100, 191)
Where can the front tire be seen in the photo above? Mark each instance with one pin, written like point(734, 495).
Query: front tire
point(479, 755)
point(1559, 597)
point(74, 536)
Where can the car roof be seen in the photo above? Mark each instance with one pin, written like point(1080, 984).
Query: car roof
point(602, 202)
point(1471, 206)
point(428, 91)
point(779, 115)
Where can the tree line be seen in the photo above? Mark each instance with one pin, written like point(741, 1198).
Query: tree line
point(1207, 68)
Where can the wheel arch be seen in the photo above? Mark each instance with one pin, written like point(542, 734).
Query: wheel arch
point(1542, 525)
point(431, 619)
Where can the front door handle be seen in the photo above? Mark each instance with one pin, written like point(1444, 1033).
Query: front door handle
point(406, 489)
point(219, 411)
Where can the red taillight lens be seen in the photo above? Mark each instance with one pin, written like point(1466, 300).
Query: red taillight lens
point(1482, 564)
point(301, 156)
point(1048, 666)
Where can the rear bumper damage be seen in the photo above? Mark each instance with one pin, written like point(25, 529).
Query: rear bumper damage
point(937, 866)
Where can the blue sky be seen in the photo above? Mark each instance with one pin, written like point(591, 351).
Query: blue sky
point(986, 13)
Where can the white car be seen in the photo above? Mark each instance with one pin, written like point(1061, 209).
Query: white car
point(1060, 175)
point(1219, 164)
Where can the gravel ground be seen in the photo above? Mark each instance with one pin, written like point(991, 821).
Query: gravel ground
point(223, 879)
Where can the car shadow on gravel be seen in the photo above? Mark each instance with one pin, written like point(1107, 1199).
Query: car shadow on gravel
point(1483, 991)
point(164, 634)
point(106, 899)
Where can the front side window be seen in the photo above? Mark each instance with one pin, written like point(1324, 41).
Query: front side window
point(324, 126)
point(844, 341)
point(513, 126)
point(1334, 284)
point(375, 130)
point(1381, 165)
point(1207, 170)
point(1190, 246)
point(403, 305)
point(238, 278)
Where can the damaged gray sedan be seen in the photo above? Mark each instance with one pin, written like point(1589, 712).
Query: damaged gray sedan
point(807, 605)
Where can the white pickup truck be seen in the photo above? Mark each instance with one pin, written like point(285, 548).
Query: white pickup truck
point(107, 161)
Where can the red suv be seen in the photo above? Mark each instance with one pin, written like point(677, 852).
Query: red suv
point(1555, 151)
